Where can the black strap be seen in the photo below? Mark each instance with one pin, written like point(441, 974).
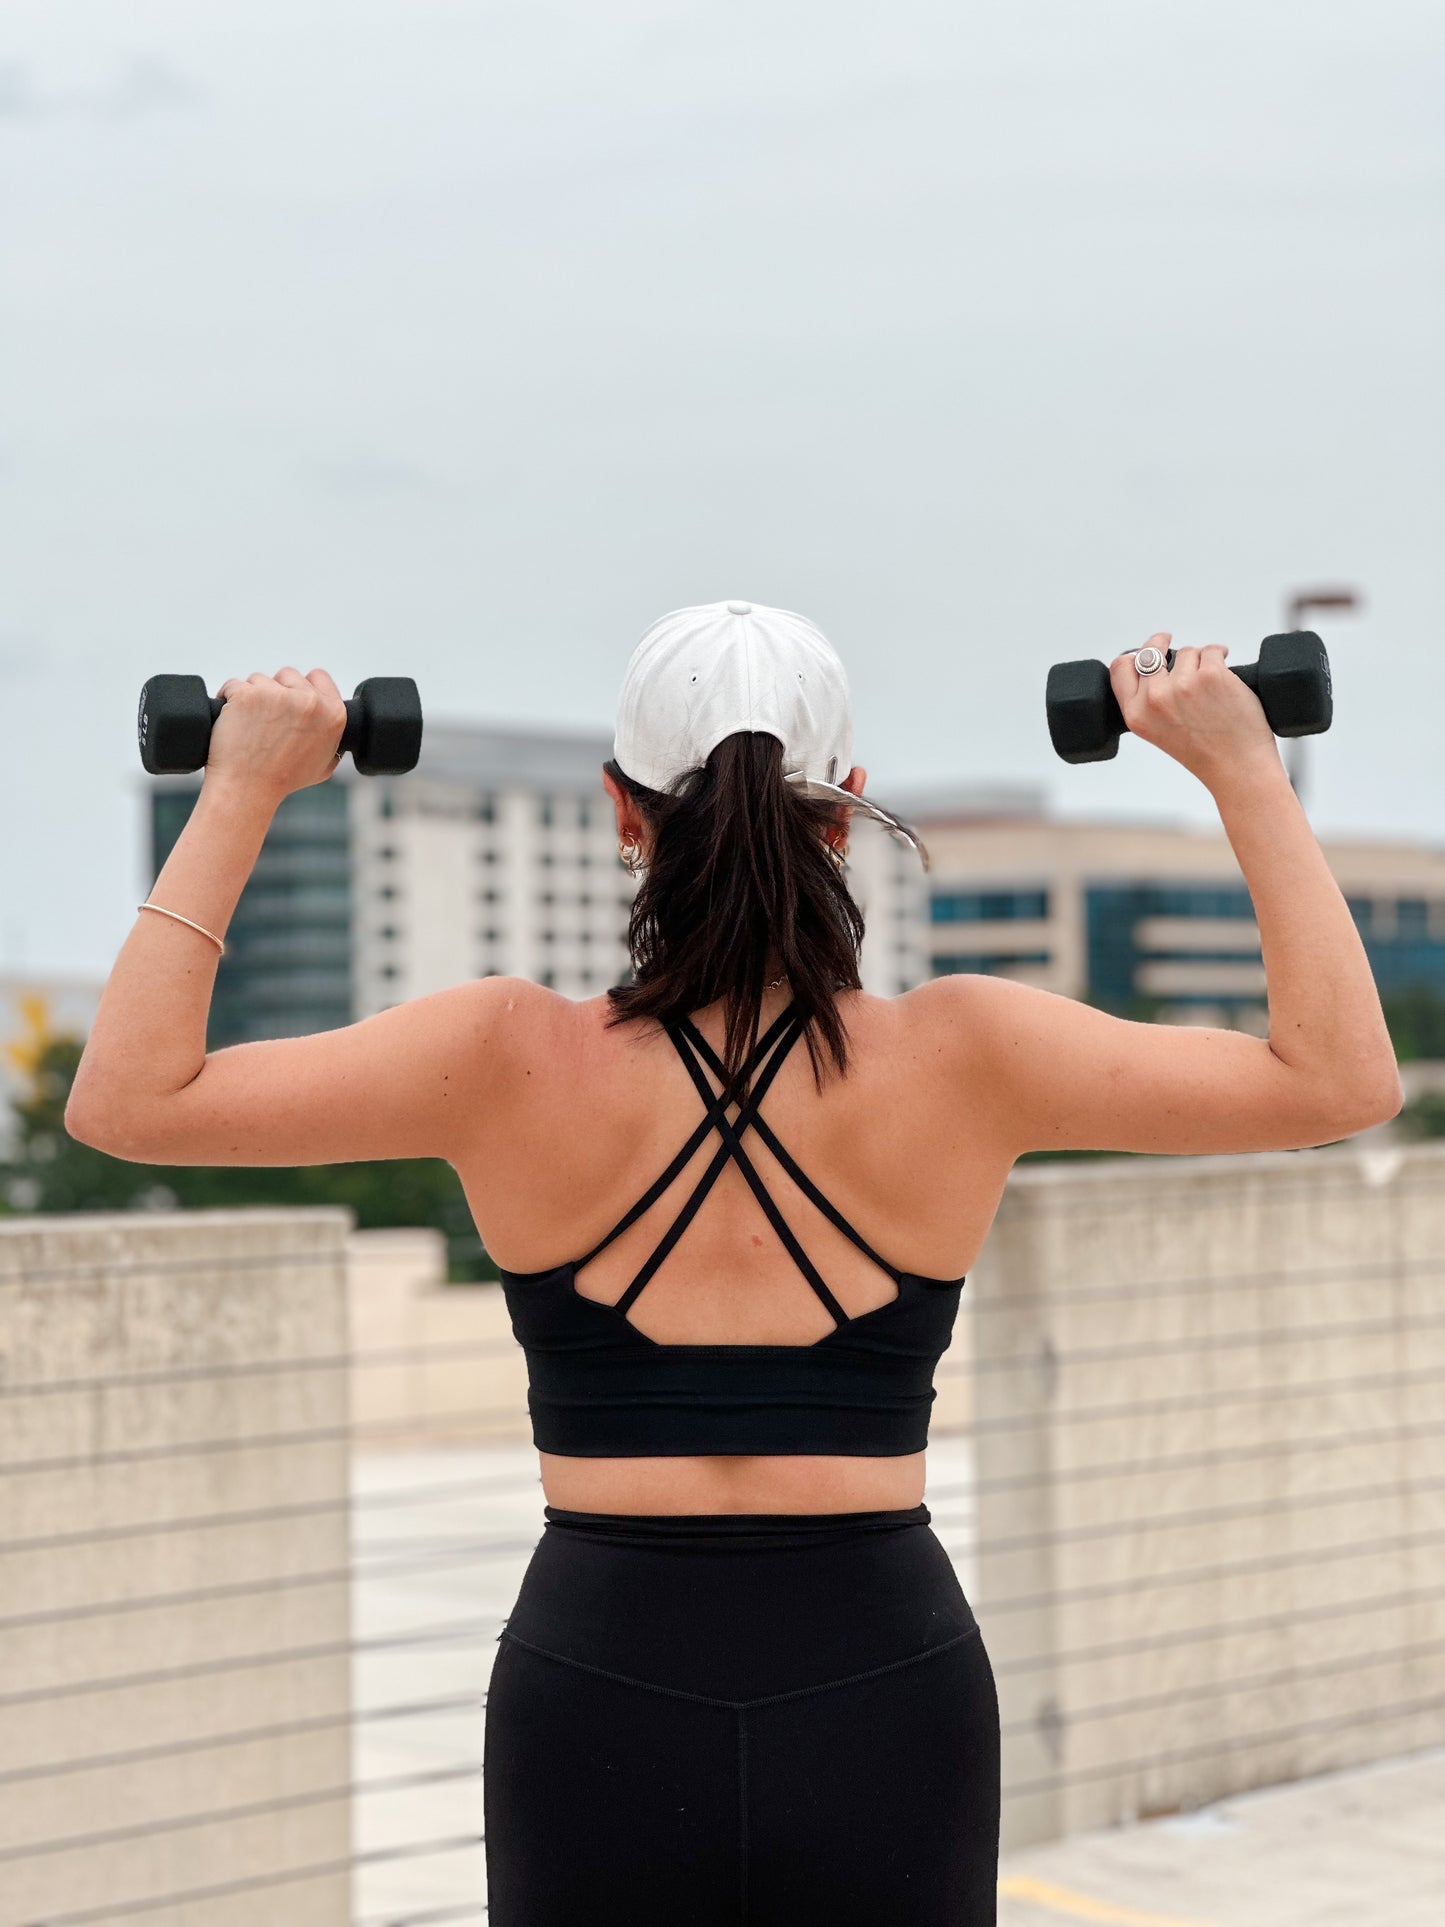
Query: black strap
point(716, 1108)
point(732, 1147)
point(794, 1170)
point(716, 1120)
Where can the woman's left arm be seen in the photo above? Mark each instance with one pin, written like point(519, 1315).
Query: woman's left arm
point(404, 1083)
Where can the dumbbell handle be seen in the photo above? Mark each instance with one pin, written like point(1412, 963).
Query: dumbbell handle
point(350, 736)
point(1248, 674)
point(1291, 681)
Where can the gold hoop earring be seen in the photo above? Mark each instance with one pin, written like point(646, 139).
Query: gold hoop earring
point(839, 853)
point(630, 850)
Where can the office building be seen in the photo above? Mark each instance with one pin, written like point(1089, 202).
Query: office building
point(498, 854)
point(1149, 919)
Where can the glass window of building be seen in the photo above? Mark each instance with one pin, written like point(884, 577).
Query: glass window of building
point(987, 906)
point(1197, 900)
point(1410, 915)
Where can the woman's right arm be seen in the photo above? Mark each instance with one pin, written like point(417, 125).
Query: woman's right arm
point(1067, 1077)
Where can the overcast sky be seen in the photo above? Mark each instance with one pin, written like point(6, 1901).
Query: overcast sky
point(463, 339)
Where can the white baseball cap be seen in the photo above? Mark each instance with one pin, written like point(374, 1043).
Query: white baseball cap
point(700, 675)
point(703, 674)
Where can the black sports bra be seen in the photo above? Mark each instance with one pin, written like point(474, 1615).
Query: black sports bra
point(600, 1388)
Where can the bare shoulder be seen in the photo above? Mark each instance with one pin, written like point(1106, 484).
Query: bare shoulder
point(520, 1025)
point(1060, 1074)
point(949, 1017)
point(497, 1032)
point(551, 1046)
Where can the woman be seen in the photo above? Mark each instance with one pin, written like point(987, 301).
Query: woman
point(740, 1682)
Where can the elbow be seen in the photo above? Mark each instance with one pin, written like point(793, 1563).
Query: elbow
point(86, 1124)
point(102, 1129)
point(81, 1122)
point(1377, 1103)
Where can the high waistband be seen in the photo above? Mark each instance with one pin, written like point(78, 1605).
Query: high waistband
point(775, 1528)
point(738, 1606)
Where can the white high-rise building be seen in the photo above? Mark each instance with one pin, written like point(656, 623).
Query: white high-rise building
point(500, 854)
point(497, 854)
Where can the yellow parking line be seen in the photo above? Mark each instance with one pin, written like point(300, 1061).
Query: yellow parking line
point(1081, 1907)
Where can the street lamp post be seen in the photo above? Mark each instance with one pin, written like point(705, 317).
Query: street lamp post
point(1295, 609)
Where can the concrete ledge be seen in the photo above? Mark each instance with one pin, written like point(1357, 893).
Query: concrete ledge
point(173, 1553)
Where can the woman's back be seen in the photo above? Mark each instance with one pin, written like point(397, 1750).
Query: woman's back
point(597, 1115)
point(913, 1160)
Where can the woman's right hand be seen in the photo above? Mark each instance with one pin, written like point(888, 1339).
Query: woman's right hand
point(1198, 712)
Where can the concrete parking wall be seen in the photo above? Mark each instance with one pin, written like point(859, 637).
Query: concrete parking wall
point(174, 1601)
point(1211, 1471)
point(431, 1362)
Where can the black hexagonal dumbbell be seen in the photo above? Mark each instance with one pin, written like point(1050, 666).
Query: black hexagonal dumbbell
point(1291, 680)
point(383, 725)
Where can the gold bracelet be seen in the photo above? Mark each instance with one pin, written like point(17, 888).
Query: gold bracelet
point(185, 920)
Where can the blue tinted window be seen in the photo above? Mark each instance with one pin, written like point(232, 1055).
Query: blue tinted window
point(1112, 911)
point(987, 906)
point(1197, 900)
point(1410, 915)
point(287, 967)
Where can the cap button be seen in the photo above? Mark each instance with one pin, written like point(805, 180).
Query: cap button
point(740, 608)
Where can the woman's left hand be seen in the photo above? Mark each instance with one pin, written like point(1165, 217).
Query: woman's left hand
point(277, 733)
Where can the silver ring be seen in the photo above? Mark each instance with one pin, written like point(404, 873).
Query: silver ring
point(1148, 660)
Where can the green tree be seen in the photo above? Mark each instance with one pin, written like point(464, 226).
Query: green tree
point(1415, 1016)
point(49, 1171)
point(1424, 1118)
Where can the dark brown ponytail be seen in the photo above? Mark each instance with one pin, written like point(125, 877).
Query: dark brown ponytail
point(739, 887)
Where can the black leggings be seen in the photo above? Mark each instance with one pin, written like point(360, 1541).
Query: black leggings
point(761, 1719)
